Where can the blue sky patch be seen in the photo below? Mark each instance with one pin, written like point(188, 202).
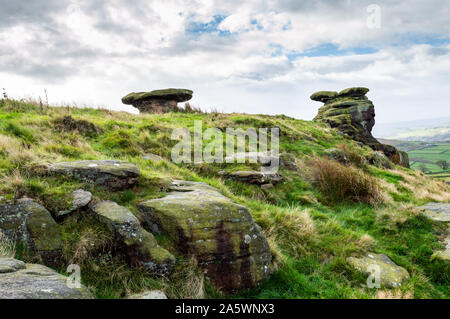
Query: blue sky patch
point(198, 28)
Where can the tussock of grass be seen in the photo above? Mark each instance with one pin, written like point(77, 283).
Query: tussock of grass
point(339, 183)
point(7, 246)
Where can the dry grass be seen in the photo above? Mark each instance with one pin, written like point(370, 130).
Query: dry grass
point(293, 226)
point(424, 187)
point(188, 282)
point(394, 294)
point(7, 246)
point(339, 183)
point(89, 243)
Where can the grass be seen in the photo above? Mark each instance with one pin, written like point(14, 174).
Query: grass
point(319, 216)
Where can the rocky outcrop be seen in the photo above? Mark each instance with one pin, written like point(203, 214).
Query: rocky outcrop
point(158, 101)
point(111, 174)
point(152, 294)
point(391, 275)
point(80, 199)
point(440, 212)
point(28, 222)
point(139, 245)
point(352, 113)
point(254, 177)
point(221, 234)
point(28, 281)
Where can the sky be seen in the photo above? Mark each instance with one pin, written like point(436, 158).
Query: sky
point(249, 56)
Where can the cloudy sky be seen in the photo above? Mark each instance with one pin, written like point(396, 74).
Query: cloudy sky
point(249, 56)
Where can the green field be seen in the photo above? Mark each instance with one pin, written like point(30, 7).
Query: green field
point(424, 155)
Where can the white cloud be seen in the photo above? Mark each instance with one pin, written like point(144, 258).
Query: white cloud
point(95, 52)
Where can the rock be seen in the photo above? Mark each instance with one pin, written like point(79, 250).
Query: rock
point(28, 222)
point(338, 155)
point(267, 186)
point(139, 245)
point(10, 265)
point(443, 254)
point(158, 101)
point(152, 294)
point(153, 157)
point(440, 212)
point(391, 275)
point(255, 177)
point(352, 113)
point(288, 162)
point(29, 281)
point(264, 158)
point(111, 174)
point(221, 234)
point(380, 160)
point(324, 96)
point(81, 198)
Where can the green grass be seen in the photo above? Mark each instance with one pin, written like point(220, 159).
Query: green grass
point(310, 239)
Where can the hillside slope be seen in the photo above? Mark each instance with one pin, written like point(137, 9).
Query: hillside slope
point(312, 220)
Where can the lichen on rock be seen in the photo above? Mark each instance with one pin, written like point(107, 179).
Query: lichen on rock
point(28, 222)
point(221, 234)
point(352, 113)
point(390, 275)
point(30, 281)
point(111, 174)
point(139, 245)
point(157, 101)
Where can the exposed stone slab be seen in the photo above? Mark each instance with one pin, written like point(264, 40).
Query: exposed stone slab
point(139, 245)
point(221, 234)
point(27, 221)
point(112, 174)
point(255, 177)
point(153, 294)
point(30, 281)
point(391, 275)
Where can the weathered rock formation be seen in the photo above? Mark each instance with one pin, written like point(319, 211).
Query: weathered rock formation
point(255, 177)
point(28, 222)
point(29, 281)
point(80, 199)
point(391, 275)
point(221, 234)
point(111, 174)
point(139, 245)
point(158, 101)
point(352, 113)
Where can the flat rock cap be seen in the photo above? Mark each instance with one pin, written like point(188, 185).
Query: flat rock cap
point(323, 96)
point(179, 95)
point(356, 91)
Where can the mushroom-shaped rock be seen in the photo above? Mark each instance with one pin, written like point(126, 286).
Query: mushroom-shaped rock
point(139, 245)
point(352, 113)
point(323, 96)
point(111, 174)
point(221, 234)
point(158, 101)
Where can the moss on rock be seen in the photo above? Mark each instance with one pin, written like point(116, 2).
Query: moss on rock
point(221, 234)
